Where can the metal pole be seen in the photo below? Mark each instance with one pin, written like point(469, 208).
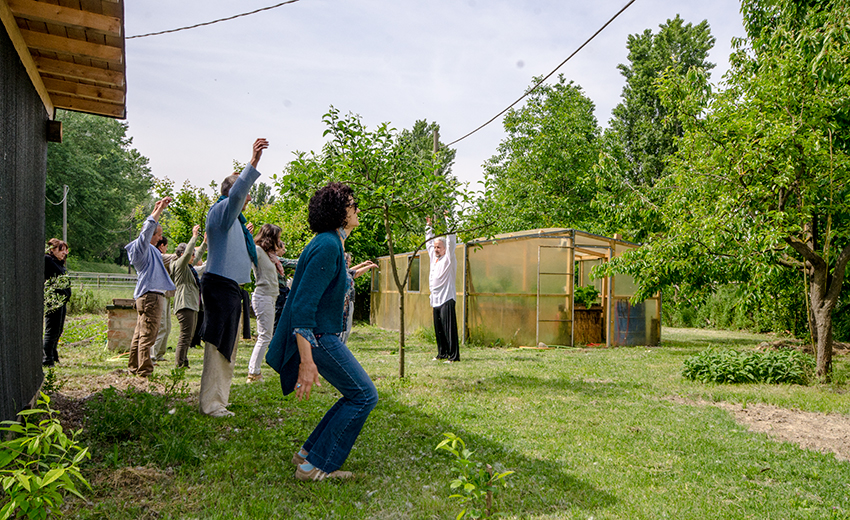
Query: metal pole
point(65, 214)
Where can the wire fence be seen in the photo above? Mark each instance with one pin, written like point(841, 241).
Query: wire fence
point(101, 280)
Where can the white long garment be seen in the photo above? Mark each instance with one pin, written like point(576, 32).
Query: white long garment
point(441, 279)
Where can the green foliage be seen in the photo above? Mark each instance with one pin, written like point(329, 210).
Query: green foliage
point(642, 135)
point(156, 428)
point(776, 305)
point(39, 464)
point(188, 208)
point(477, 483)
point(585, 295)
point(174, 383)
point(542, 175)
point(52, 299)
point(756, 185)
point(52, 383)
point(396, 183)
point(734, 366)
point(86, 301)
point(109, 183)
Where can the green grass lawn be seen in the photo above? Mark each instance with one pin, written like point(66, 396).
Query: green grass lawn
point(590, 433)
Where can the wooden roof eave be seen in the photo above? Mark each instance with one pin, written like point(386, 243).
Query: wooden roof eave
point(75, 58)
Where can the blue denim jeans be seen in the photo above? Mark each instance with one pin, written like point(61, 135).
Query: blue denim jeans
point(331, 441)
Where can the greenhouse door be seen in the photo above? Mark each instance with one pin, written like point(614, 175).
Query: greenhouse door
point(554, 301)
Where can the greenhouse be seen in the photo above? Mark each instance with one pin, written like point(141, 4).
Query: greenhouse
point(525, 288)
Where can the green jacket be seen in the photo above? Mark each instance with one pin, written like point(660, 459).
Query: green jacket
point(188, 294)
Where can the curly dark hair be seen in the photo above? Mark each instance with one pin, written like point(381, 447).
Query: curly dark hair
point(328, 208)
point(268, 237)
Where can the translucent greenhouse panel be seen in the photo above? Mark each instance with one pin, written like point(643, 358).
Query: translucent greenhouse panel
point(506, 267)
point(586, 267)
point(414, 280)
point(555, 317)
point(624, 286)
point(506, 320)
point(636, 324)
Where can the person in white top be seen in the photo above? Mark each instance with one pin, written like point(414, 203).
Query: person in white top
point(441, 251)
point(265, 294)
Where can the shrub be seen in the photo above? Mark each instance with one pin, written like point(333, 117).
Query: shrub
point(586, 295)
point(84, 301)
point(477, 484)
point(38, 464)
point(733, 366)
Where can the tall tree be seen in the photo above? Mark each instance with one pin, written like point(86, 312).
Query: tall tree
point(642, 134)
point(542, 175)
point(760, 181)
point(394, 183)
point(109, 184)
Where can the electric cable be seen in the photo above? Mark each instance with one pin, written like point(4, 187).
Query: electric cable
point(213, 21)
point(532, 89)
point(92, 220)
point(61, 201)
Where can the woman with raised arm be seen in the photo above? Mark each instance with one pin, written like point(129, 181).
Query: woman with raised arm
point(187, 297)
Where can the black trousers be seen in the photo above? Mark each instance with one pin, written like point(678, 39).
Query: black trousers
point(445, 327)
point(54, 324)
point(279, 303)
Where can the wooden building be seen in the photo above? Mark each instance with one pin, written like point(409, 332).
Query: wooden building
point(53, 54)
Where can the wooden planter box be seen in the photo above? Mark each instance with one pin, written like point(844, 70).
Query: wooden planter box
point(589, 325)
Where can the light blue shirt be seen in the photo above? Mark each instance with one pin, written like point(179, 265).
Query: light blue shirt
point(227, 254)
point(152, 275)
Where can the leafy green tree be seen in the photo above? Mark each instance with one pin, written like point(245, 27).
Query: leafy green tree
point(542, 175)
point(109, 185)
point(396, 185)
point(261, 195)
point(760, 180)
point(642, 134)
point(188, 208)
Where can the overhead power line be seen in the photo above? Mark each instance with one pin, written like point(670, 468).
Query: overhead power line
point(269, 8)
point(532, 89)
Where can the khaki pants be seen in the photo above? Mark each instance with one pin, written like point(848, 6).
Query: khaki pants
point(215, 381)
point(161, 345)
point(187, 318)
point(149, 308)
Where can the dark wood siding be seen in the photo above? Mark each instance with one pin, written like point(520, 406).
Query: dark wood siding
point(23, 163)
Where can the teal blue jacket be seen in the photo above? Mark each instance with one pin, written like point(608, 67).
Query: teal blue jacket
point(315, 302)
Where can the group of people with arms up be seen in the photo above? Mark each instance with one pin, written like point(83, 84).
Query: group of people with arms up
point(303, 333)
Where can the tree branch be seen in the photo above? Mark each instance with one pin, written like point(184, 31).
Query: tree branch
point(806, 252)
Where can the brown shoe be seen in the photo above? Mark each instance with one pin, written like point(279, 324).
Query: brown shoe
point(298, 459)
point(316, 474)
point(254, 378)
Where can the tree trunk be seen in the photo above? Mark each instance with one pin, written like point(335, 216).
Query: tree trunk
point(824, 291)
point(401, 333)
point(824, 343)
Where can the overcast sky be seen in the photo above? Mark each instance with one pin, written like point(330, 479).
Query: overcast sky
point(196, 99)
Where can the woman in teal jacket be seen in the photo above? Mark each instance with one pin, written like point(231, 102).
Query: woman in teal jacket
point(306, 343)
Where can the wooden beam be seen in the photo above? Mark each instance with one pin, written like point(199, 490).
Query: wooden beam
point(58, 86)
point(89, 106)
point(111, 78)
point(59, 44)
point(66, 16)
point(14, 33)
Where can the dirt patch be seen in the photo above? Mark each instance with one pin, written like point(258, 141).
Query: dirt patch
point(827, 433)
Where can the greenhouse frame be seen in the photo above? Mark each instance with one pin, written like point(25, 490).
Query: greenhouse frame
point(518, 289)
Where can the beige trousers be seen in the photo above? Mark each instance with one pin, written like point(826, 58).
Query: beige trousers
point(215, 381)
